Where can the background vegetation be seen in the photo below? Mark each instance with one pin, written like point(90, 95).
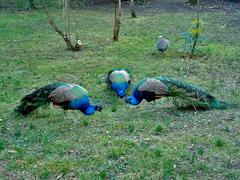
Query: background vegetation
point(153, 140)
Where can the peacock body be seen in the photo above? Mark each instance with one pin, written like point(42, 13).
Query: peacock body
point(151, 89)
point(63, 95)
point(119, 81)
point(162, 44)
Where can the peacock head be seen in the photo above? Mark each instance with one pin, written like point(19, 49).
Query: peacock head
point(160, 37)
point(120, 88)
point(121, 93)
point(132, 100)
point(92, 109)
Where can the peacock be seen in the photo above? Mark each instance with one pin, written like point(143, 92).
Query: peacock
point(151, 89)
point(62, 95)
point(119, 80)
point(162, 44)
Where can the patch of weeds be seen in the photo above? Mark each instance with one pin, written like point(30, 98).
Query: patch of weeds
point(44, 174)
point(85, 123)
point(103, 175)
point(115, 152)
point(131, 128)
point(232, 175)
point(200, 151)
point(168, 169)
point(158, 153)
point(46, 139)
point(32, 126)
point(193, 140)
point(159, 129)
point(56, 166)
point(17, 133)
point(2, 145)
point(219, 143)
point(114, 109)
point(226, 129)
point(183, 175)
point(203, 167)
point(193, 157)
point(20, 152)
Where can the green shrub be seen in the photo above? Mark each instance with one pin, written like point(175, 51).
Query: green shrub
point(2, 144)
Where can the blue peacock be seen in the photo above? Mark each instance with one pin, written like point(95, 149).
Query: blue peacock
point(151, 89)
point(62, 95)
point(119, 80)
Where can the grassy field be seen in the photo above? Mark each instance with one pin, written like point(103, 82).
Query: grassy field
point(150, 141)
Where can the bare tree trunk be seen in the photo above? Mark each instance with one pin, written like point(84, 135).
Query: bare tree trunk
point(133, 12)
point(117, 20)
point(32, 4)
point(66, 18)
point(70, 46)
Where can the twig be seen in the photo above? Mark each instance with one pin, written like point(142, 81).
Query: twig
point(78, 45)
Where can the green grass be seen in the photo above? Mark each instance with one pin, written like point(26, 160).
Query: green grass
point(150, 141)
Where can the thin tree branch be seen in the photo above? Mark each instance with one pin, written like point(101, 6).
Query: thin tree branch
point(55, 27)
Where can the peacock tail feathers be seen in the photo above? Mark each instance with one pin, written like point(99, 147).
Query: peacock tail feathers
point(182, 89)
point(138, 84)
point(222, 105)
point(37, 98)
point(78, 91)
point(186, 94)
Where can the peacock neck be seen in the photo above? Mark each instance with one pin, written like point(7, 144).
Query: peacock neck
point(88, 110)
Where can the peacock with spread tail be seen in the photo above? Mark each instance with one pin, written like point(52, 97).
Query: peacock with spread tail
point(151, 89)
point(62, 95)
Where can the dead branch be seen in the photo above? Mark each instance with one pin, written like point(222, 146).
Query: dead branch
point(78, 45)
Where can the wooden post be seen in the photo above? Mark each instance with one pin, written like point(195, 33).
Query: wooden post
point(132, 6)
point(117, 20)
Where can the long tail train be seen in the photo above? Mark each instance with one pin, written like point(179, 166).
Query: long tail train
point(35, 99)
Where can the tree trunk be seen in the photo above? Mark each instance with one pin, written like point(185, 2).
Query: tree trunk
point(32, 4)
point(117, 20)
point(70, 46)
point(133, 12)
point(66, 18)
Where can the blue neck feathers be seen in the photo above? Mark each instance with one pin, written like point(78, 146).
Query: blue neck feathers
point(135, 99)
point(84, 106)
point(120, 88)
